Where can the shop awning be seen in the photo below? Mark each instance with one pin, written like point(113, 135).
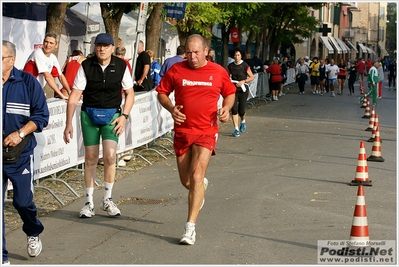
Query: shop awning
point(364, 48)
point(352, 46)
point(325, 42)
point(336, 45)
point(344, 47)
point(382, 48)
point(371, 51)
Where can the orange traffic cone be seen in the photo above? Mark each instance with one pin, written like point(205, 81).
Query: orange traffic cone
point(376, 124)
point(371, 121)
point(367, 111)
point(360, 229)
point(362, 170)
point(376, 151)
point(365, 99)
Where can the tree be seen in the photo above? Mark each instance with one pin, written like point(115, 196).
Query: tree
point(391, 29)
point(55, 18)
point(112, 15)
point(198, 18)
point(153, 27)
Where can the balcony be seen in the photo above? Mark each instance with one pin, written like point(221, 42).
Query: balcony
point(348, 33)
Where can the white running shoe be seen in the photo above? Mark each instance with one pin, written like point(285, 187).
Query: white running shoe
point(110, 207)
point(34, 246)
point(87, 211)
point(6, 263)
point(188, 237)
point(205, 186)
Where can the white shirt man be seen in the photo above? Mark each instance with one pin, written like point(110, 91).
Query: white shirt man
point(44, 65)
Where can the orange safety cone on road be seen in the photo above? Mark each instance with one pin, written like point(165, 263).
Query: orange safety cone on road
point(376, 124)
point(371, 121)
point(364, 103)
point(362, 170)
point(367, 114)
point(360, 229)
point(376, 152)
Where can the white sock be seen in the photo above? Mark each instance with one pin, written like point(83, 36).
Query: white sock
point(243, 121)
point(108, 190)
point(189, 225)
point(89, 194)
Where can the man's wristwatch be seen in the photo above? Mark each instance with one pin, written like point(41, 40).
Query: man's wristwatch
point(125, 115)
point(21, 134)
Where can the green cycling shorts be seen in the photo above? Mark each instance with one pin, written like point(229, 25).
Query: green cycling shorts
point(91, 132)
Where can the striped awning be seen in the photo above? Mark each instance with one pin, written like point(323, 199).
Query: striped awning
point(352, 46)
point(336, 45)
point(364, 48)
point(325, 42)
point(382, 48)
point(344, 47)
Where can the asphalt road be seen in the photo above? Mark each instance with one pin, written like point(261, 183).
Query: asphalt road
point(273, 193)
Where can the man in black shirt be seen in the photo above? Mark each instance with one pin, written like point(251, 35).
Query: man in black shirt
point(142, 75)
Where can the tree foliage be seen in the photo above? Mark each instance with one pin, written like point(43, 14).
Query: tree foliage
point(391, 29)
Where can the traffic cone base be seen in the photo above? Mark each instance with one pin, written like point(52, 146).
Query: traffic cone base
point(360, 229)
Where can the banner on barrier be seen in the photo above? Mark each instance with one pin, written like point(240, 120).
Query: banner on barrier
point(148, 120)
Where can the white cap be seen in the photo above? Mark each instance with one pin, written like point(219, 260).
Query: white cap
point(306, 57)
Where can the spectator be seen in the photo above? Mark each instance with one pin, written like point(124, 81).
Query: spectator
point(257, 64)
point(120, 52)
point(195, 132)
point(275, 78)
point(392, 75)
point(249, 61)
point(169, 62)
point(71, 68)
point(332, 71)
point(240, 74)
point(352, 75)
point(142, 75)
point(211, 55)
point(24, 111)
point(341, 76)
point(43, 64)
point(111, 73)
point(155, 69)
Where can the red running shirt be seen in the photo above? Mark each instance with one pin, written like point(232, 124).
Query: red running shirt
point(198, 90)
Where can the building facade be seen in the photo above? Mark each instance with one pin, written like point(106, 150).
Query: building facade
point(348, 30)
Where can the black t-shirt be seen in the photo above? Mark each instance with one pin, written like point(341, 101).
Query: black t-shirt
point(238, 72)
point(142, 60)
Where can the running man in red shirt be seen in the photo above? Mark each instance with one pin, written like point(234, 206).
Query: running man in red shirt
point(197, 85)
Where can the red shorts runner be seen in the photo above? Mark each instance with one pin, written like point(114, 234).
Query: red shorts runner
point(183, 141)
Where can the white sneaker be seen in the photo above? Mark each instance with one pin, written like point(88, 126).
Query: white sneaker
point(6, 263)
point(205, 186)
point(110, 207)
point(188, 237)
point(34, 246)
point(87, 211)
